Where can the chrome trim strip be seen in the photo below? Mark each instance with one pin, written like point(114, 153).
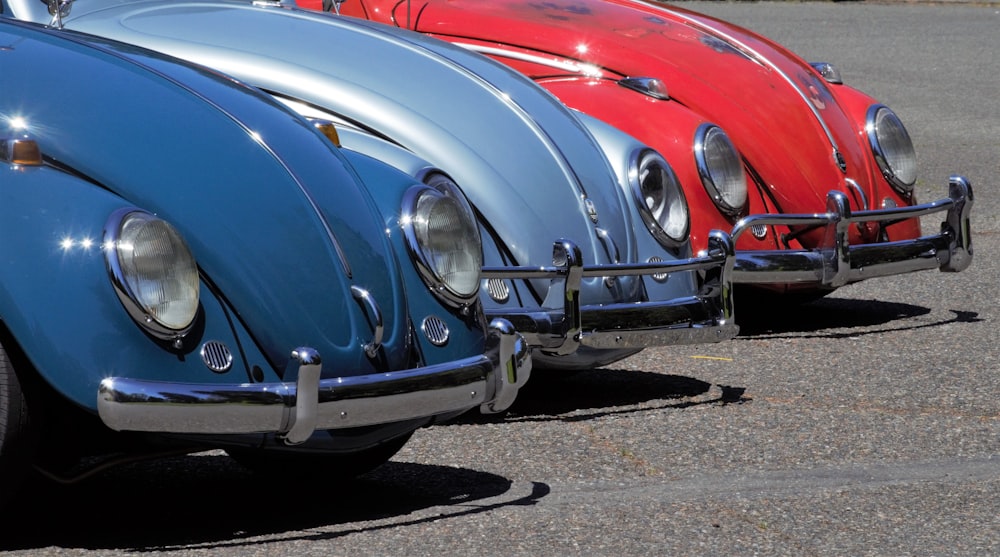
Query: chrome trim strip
point(706, 317)
point(838, 263)
point(588, 70)
point(305, 403)
point(524, 115)
point(688, 320)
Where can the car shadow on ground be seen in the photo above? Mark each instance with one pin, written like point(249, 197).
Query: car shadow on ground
point(832, 317)
point(208, 501)
point(584, 395)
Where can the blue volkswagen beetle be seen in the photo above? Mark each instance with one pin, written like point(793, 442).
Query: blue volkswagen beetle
point(187, 260)
point(585, 229)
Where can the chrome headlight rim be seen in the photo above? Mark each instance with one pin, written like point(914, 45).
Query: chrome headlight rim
point(731, 206)
point(900, 178)
point(439, 187)
point(670, 224)
point(120, 239)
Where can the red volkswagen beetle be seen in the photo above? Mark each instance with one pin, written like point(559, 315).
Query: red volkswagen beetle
point(826, 194)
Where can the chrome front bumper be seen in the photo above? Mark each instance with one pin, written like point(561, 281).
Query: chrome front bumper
point(701, 318)
point(305, 403)
point(838, 263)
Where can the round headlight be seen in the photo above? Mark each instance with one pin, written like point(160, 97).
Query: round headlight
point(721, 169)
point(153, 271)
point(659, 197)
point(443, 236)
point(892, 147)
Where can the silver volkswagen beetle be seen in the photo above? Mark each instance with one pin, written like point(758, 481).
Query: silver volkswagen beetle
point(585, 229)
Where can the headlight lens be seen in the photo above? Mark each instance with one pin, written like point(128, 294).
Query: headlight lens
point(153, 271)
point(892, 148)
point(721, 169)
point(443, 236)
point(659, 197)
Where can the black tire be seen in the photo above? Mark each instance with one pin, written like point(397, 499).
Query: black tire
point(326, 466)
point(16, 439)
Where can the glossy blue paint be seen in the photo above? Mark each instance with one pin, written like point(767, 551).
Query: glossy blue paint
point(250, 185)
point(57, 301)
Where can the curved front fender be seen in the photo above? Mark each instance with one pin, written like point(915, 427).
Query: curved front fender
point(58, 303)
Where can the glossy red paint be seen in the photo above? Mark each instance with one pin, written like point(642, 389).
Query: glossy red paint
point(785, 119)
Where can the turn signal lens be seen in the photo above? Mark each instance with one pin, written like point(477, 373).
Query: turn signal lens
point(23, 152)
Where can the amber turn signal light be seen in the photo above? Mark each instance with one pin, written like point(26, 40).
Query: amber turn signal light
point(329, 130)
point(24, 152)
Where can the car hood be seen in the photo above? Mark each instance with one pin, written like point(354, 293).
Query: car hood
point(769, 101)
point(245, 181)
point(524, 161)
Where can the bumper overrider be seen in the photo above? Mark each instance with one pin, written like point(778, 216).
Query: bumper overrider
point(837, 262)
point(706, 316)
point(305, 403)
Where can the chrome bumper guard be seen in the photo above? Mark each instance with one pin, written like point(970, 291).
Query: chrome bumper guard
point(838, 263)
point(305, 403)
point(702, 318)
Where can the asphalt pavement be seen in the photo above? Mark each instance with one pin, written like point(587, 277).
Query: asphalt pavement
point(863, 424)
